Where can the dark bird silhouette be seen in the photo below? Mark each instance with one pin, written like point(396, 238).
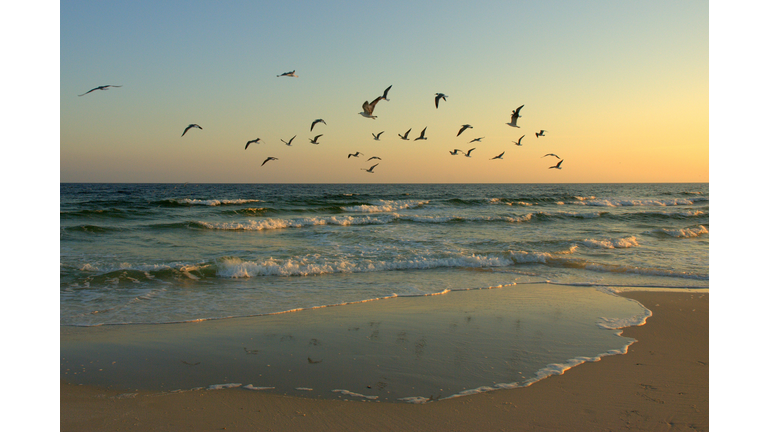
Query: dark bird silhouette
point(515, 116)
point(455, 152)
point(463, 128)
point(104, 87)
point(558, 165)
point(314, 140)
point(355, 154)
point(370, 170)
point(268, 159)
point(290, 74)
point(551, 154)
point(374, 157)
point(256, 141)
point(468, 152)
point(190, 127)
point(405, 137)
point(538, 134)
point(518, 142)
point(476, 140)
point(421, 137)
point(439, 96)
point(368, 108)
point(316, 122)
point(499, 156)
point(289, 141)
point(385, 93)
point(376, 136)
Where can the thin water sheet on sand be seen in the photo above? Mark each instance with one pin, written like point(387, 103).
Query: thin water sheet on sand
point(398, 349)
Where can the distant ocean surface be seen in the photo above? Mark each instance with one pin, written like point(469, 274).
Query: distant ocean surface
point(160, 253)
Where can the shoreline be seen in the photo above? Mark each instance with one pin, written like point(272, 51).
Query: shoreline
point(661, 382)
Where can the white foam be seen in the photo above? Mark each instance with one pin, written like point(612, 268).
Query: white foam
point(626, 242)
point(385, 206)
point(625, 202)
point(213, 202)
point(683, 232)
point(251, 387)
point(349, 393)
point(222, 386)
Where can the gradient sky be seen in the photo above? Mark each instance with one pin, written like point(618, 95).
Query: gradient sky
point(621, 87)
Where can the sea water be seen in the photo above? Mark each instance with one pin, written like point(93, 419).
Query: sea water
point(171, 253)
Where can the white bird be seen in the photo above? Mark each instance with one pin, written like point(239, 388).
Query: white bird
point(455, 152)
point(374, 157)
point(355, 154)
point(268, 159)
point(515, 116)
point(499, 156)
point(518, 142)
point(551, 154)
point(256, 141)
point(385, 93)
point(463, 128)
point(558, 165)
point(370, 170)
point(468, 152)
point(476, 140)
point(289, 141)
point(314, 140)
point(439, 96)
point(538, 134)
point(316, 122)
point(421, 137)
point(368, 108)
point(290, 74)
point(190, 127)
point(405, 137)
point(376, 136)
point(104, 87)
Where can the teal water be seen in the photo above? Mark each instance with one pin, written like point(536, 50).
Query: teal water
point(158, 253)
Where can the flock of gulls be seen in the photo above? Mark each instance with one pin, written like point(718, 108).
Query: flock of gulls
point(367, 112)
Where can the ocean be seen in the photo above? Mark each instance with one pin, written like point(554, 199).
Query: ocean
point(155, 254)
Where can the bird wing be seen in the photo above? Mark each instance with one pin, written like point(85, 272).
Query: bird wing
point(406, 134)
point(186, 129)
point(469, 151)
point(385, 92)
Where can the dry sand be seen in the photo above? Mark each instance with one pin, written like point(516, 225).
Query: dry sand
point(661, 384)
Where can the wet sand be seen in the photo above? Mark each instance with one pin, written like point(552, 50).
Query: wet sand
point(662, 383)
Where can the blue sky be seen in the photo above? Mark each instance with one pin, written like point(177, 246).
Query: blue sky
point(621, 88)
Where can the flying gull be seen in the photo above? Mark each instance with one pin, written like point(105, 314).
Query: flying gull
point(385, 93)
point(551, 154)
point(316, 122)
point(405, 137)
point(463, 128)
point(476, 140)
point(290, 74)
point(314, 140)
point(439, 96)
point(518, 142)
point(368, 108)
point(515, 116)
point(268, 159)
point(370, 170)
point(558, 165)
point(376, 136)
point(256, 141)
point(374, 157)
point(538, 134)
point(499, 156)
point(421, 137)
point(190, 127)
point(104, 87)
point(455, 152)
point(355, 154)
point(289, 141)
point(468, 152)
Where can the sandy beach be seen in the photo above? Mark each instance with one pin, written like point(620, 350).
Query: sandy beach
point(662, 383)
